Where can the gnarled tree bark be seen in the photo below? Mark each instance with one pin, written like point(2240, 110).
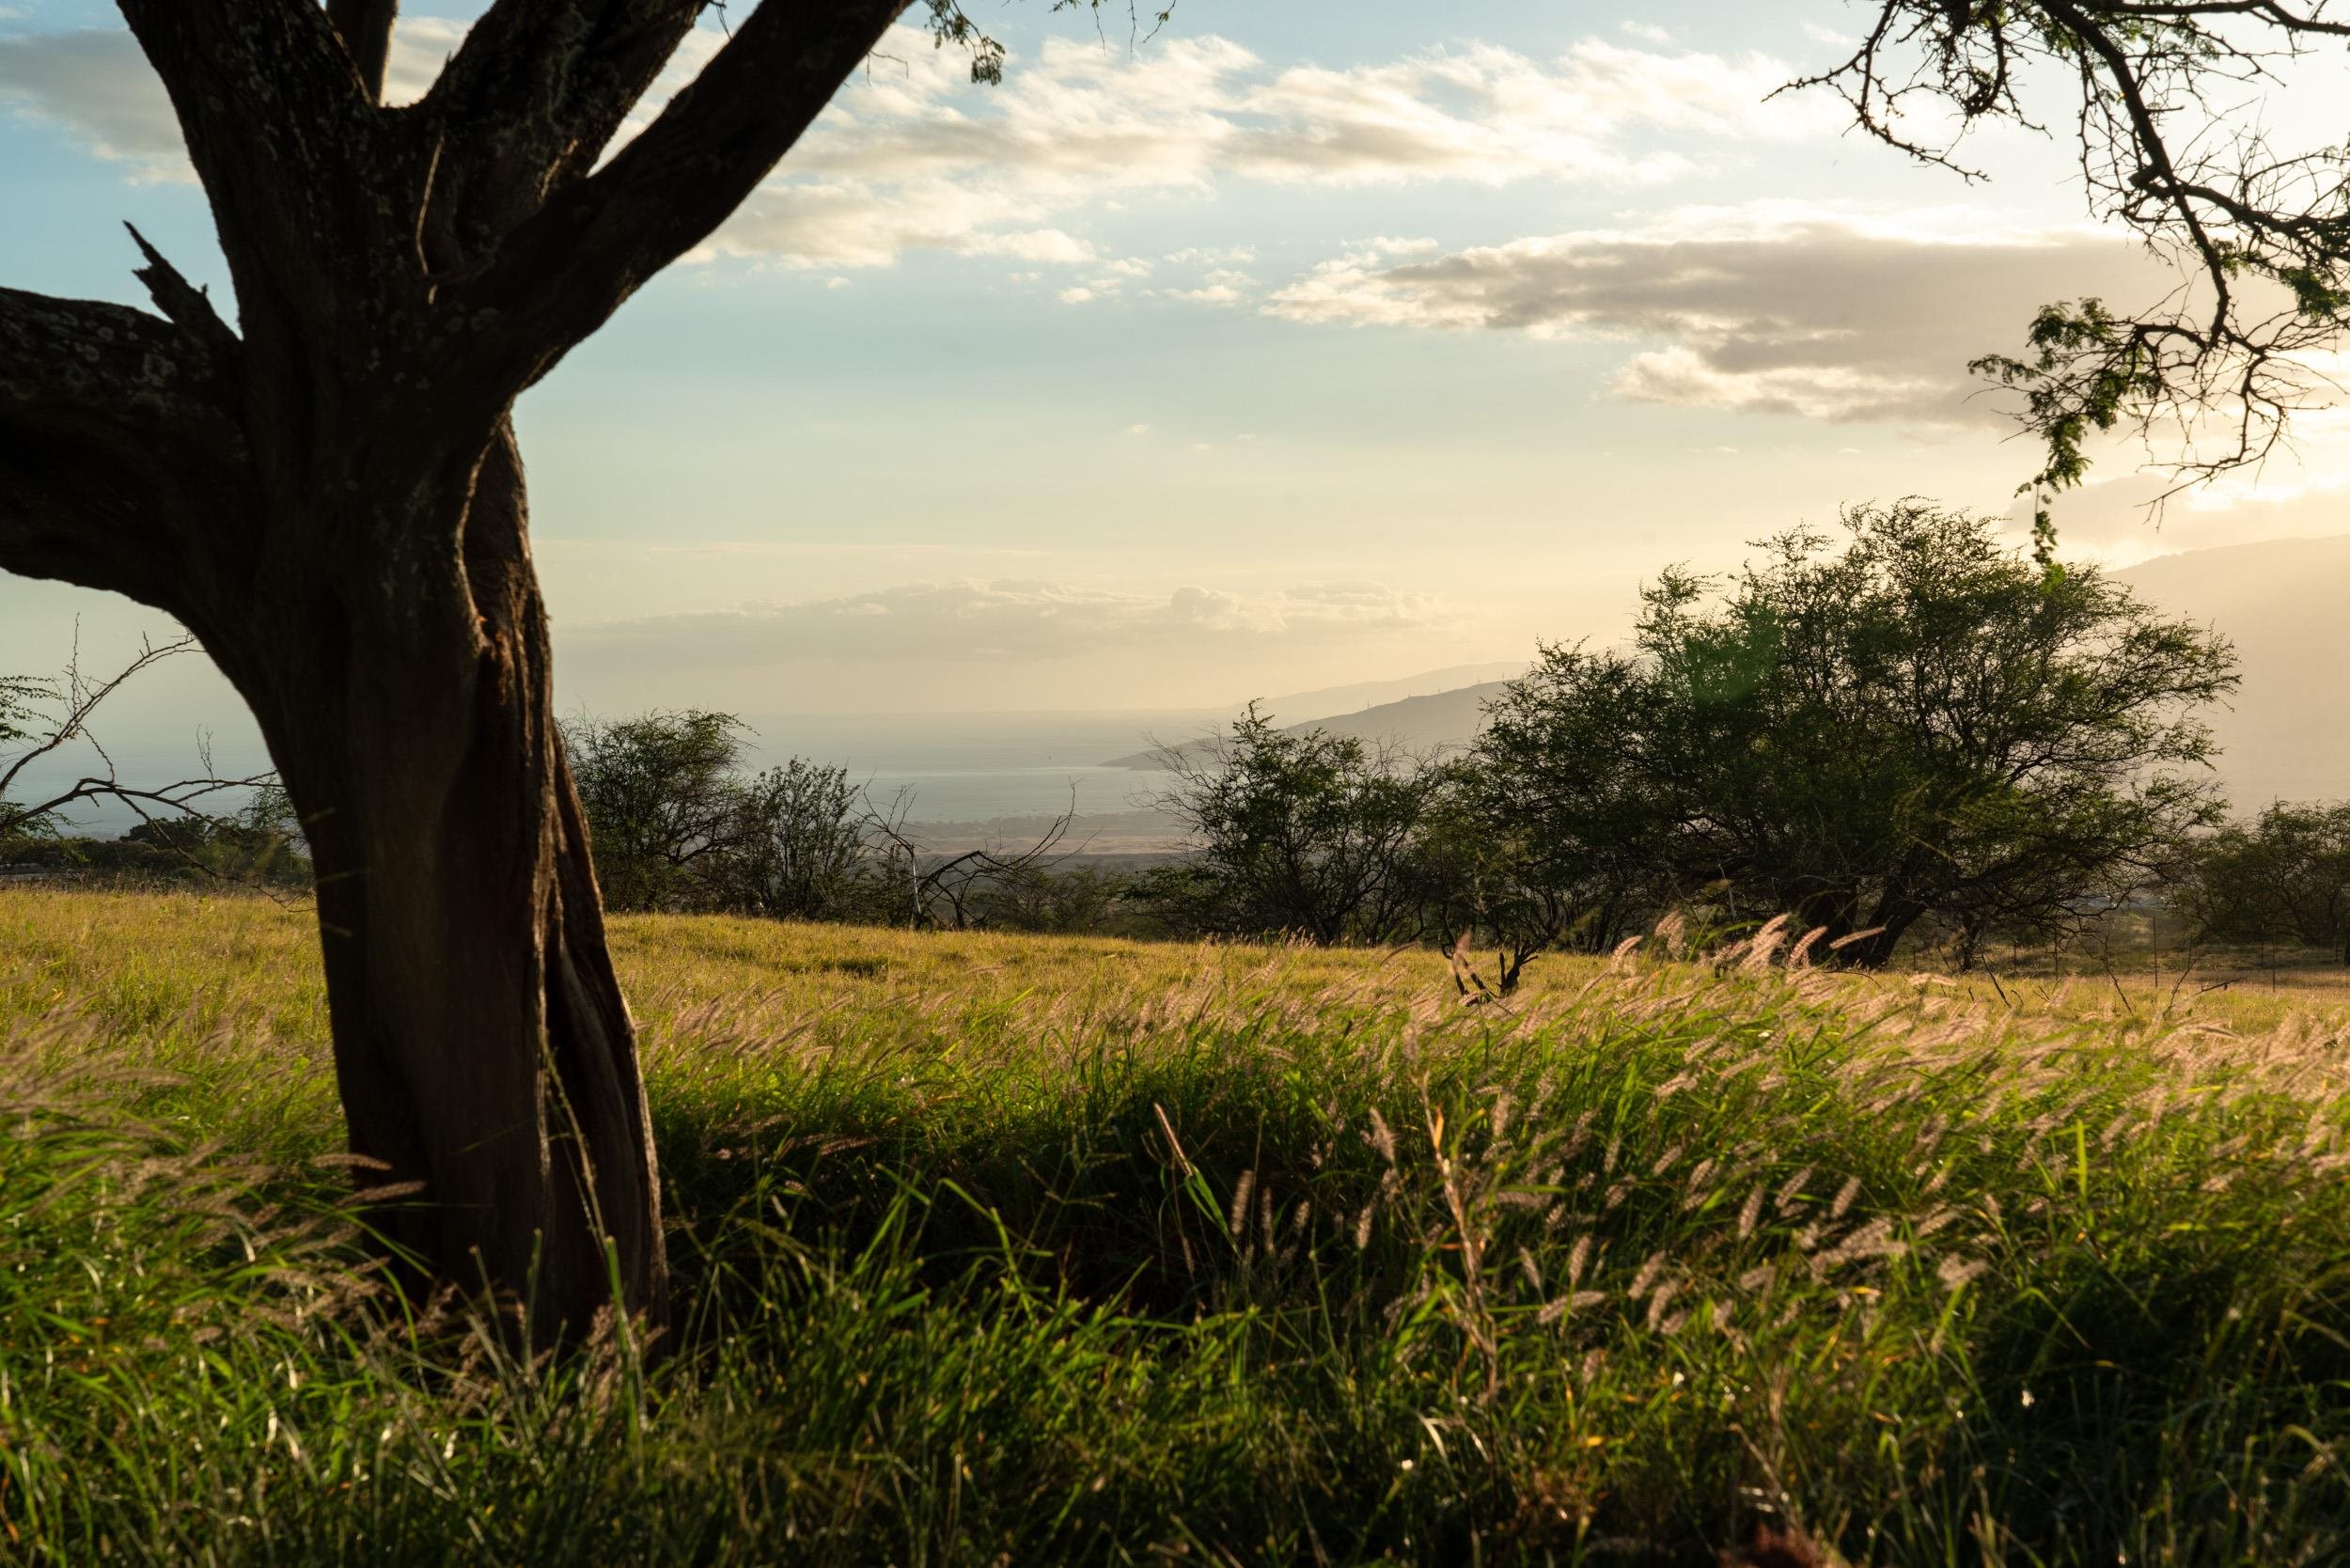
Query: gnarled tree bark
point(329, 495)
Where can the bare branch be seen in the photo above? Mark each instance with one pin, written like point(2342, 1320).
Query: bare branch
point(62, 710)
point(2261, 236)
point(941, 888)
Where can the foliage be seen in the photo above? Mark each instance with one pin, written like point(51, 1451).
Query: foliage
point(1013, 1249)
point(2256, 223)
point(680, 824)
point(662, 797)
point(1068, 901)
point(20, 710)
point(1921, 724)
point(1306, 836)
point(795, 849)
point(2282, 878)
point(1550, 817)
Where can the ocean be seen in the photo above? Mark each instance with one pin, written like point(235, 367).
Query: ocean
point(978, 767)
point(958, 767)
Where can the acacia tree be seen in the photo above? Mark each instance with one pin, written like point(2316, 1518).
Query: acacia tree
point(329, 495)
point(663, 796)
point(1303, 835)
point(1919, 725)
point(2284, 876)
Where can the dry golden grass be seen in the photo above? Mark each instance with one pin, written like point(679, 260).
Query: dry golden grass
point(1008, 1249)
point(184, 966)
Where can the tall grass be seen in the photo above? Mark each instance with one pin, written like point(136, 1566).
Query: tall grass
point(1021, 1250)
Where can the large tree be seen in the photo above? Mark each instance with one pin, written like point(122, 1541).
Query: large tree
point(1920, 724)
point(2282, 877)
point(325, 489)
point(1300, 835)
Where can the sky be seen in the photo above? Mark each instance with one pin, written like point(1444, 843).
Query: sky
point(1293, 345)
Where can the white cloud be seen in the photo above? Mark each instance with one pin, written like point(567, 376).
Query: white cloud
point(1074, 296)
point(1011, 620)
point(94, 83)
point(1212, 256)
point(1034, 245)
point(912, 156)
point(1214, 294)
point(1767, 309)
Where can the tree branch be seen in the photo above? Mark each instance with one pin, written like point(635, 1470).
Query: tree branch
point(118, 438)
point(2261, 236)
point(72, 701)
point(279, 128)
point(536, 93)
point(562, 272)
point(187, 306)
point(366, 28)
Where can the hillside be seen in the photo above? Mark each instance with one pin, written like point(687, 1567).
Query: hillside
point(1440, 720)
point(1362, 695)
point(2286, 605)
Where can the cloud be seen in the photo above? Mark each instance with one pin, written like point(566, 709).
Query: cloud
point(1212, 256)
point(95, 85)
point(912, 156)
point(1016, 621)
point(1223, 286)
point(1769, 308)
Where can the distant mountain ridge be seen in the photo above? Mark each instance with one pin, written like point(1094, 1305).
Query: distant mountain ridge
point(1440, 720)
point(1330, 701)
point(2285, 603)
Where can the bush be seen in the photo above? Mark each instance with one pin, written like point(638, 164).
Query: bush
point(1303, 836)
point(1924, 725)
point(2282, 878)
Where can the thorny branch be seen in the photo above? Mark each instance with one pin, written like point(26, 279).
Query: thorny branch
point(47, 717)
point(941, 888)
point(2211, 374)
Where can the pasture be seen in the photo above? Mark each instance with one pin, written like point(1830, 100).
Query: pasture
point(1012, 1250)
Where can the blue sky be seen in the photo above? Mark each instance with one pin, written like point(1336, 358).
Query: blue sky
point(1299, 344)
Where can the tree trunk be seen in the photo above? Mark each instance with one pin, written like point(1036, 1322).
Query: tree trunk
point(328, 495)
point(486, 1058)
point(1887, 924)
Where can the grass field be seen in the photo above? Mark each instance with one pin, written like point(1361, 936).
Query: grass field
point(1005, 1250)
